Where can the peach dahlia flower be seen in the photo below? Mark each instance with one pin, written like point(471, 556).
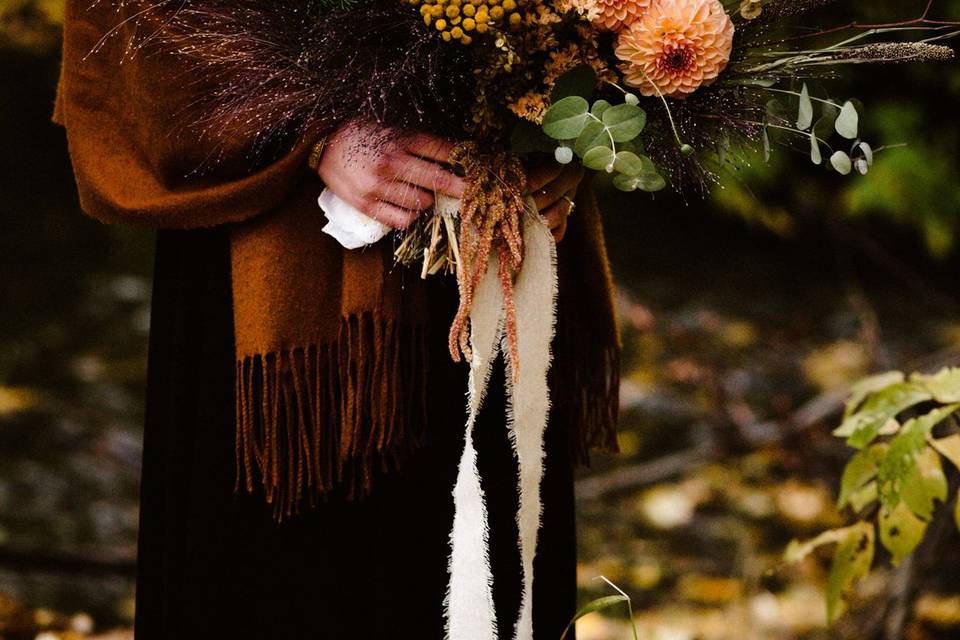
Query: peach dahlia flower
point(616, 15)
point(676, 47)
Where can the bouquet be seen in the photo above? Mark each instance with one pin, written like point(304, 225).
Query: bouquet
point(648, 93)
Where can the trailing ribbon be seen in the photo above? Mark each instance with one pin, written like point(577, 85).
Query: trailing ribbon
point(469, 609)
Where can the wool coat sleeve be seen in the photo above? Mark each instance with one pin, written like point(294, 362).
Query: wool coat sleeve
point(140, 153)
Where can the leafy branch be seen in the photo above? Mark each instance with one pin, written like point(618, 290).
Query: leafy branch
point(896, 477)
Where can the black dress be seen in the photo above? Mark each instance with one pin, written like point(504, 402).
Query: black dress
point(213, 564)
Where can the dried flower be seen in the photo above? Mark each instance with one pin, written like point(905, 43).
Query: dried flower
point(895, 52)
point(676, 47)
point(617, 15)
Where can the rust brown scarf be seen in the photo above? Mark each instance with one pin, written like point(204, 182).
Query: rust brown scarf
point(331, 344)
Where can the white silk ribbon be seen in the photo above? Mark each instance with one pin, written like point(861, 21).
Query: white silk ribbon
point(349, 226)
point(468, 606)
point(469, 609)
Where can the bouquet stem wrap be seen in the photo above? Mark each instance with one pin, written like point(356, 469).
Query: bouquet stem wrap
point(470, 613)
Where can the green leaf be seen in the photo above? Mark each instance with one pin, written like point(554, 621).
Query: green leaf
point(624, 121)
point(860, 390)
point(823, 128)
point(579, 81)
point(863, 427)
point(848, 122)
point(949, 448)
point(528, 137)
point(861, 469)
point(631, 164)
point(900, 463)
point(815, 156)
point(944, 385)
point(651, 182)
point(900, 531)
point(626, 183)
point(594, 134)
point(851, 562)
point(805, 114)
point(566, 118)
point(593, 606)
point(599, 107)
point(599, 159)
point(925, 485)
point(867, 494)
point(841, 162)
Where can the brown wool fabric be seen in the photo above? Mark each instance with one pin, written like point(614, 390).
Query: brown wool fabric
point(331, 344)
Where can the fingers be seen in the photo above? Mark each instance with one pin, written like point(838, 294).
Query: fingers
point(541, 175)
point(427, 175)
point(389, 214)
point(404, 195)
point(556, 215)
point(567, 181)
point(428, 146)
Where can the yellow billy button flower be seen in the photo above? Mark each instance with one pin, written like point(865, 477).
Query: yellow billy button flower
point(482, 28)
point(469, 10)
point(509, 5)
point(436, 11)
point(515, 19)
point(466, 39)
point(452, 11)
point(446, 36)
point(456, 32)
point(440, 24)
point(469, 24)
point(496, 13)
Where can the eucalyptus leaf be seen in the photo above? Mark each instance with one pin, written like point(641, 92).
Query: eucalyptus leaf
point(651, 182)
point(867, 153)
point(805, 112)
point(624, 121)
point(815, 156)
point(848, 122)
point(528, 137)
point(599, 159)
point(599, 107)
point(626, 183)
point(565, 119)
point(823, 128)
point(841, 162)
point(594, 134)
point(579, 81)
point(631, 164)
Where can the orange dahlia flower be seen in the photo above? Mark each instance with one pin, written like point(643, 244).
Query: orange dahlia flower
point(676, 47)
point(616, 15)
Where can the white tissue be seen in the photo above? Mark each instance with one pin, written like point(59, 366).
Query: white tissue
point(348, 226)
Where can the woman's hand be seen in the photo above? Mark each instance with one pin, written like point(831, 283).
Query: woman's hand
point(554, 187)
point(390, 179)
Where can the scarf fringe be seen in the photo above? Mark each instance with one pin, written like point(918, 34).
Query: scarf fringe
point(320, 420)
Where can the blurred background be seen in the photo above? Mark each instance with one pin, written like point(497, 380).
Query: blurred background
point(744, 317)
